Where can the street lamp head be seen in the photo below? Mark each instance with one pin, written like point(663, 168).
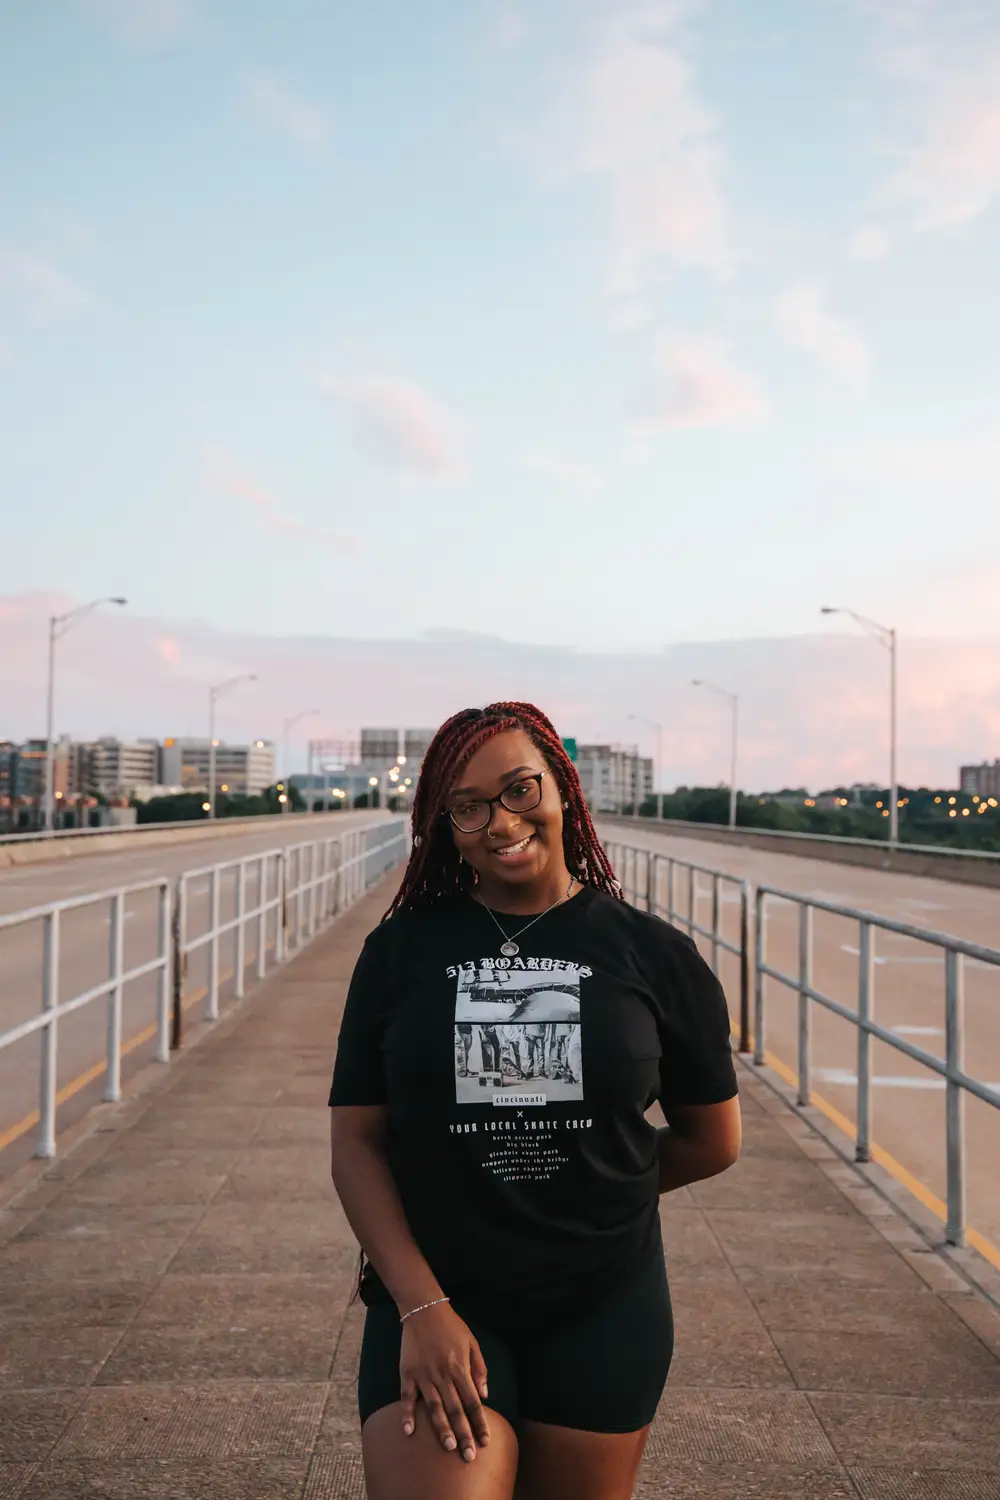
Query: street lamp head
point(117, 599)
point(828, 609)
point(697, 682)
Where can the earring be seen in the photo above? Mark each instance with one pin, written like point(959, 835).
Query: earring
point(565, 807)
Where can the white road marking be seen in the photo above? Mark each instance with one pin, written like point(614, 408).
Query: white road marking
point(896, 958)
point(885, 1080)
point(919, 1030)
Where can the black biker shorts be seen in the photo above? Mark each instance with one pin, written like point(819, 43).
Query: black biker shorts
point(601, 1370)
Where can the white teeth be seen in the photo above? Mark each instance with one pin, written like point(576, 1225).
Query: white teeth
point(514, 848)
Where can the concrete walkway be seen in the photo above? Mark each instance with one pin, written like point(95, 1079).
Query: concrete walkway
point(175, 1319)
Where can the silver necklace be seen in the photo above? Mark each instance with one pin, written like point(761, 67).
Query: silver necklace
point(509, 948)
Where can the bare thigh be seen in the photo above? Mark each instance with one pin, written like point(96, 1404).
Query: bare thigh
point(562, 1463)
point(418, 1468)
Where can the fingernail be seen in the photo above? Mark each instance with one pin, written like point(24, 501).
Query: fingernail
point(468, 1454)
point(450, 1444)
point(485, 1390)
point(408, 1428)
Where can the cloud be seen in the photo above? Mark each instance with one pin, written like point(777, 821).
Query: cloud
point(400, 424)
point(641, 129)
point(943, 57)
point(814, 707)
point(869, 244)
point(287, 113)
point(806, 324)
point(705, 389)
point(38, 288)
point(227, 474)
point(566, 471)
point(145, 23)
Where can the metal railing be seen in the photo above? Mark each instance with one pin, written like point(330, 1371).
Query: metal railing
point(175, 825)
point(629, 858)
point(295, 892)
point(958, 1083)
point(724, 834)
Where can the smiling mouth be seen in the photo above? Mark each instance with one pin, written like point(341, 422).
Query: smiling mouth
point(511, 849)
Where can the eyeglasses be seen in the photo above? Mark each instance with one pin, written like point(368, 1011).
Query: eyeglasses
point(521, 796)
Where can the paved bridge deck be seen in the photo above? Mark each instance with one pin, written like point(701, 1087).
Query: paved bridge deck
point(175, 1318)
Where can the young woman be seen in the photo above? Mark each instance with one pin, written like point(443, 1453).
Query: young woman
point(507, 1028)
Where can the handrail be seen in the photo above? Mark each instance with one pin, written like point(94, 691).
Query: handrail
point(313, 882)
point(955, 950)
point(44, 836)
point(943, 851)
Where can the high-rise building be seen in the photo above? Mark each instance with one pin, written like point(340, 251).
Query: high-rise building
point(415, 744)
point(243, 770)
point(612, 775)
point(379, 745)
point(980, 781)
point(111, 767)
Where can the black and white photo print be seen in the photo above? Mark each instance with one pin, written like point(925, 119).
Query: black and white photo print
point(517, 1033)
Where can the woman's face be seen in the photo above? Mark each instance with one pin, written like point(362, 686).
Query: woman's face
point(514, 846)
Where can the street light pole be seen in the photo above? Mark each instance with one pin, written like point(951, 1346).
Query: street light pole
point(887, 638)
point(734, 703)
point(215, 692)
point(289, 724)
point(652, 724)
point(58, 626)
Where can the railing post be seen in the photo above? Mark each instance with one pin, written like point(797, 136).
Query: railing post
point(670, 888)
point(116, 965)
point(299, 851)
point(213, 946)
point(715, 925)
point(49, 1071)
point(163, 950)
point(241, 937)
point(692, 916)
point(866, 985)
point(262, 918)
point(313, 891)
point(744, 967)
point(650, 877)
point(281, 909)
point(954, 1033)
point(760, 953)
point(805, 1014)
point(179, 929)
point(655, 879)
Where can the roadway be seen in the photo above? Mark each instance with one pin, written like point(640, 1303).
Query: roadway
point(84, 950)
point(908, 1100)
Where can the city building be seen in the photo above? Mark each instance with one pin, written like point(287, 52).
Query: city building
point(980, 781)
point(242, 770)
point(611, 775)
point(111, 767)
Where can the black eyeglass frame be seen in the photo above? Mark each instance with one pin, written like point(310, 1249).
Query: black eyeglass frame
point(491, 802)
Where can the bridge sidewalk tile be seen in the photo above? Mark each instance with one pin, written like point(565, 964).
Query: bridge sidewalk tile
point(925, 1362)
point(876, 1429)
point(164, 1480)
point(925, 1484)
point(740, 1482)
point(13, 1479)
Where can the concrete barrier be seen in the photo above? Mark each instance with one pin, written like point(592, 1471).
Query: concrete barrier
point(38, 851)
point(964, 869)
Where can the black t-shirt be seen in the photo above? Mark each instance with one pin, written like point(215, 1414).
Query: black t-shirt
point(516, 1088)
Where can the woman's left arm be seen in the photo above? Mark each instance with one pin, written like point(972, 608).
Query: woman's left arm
point(698, 1141)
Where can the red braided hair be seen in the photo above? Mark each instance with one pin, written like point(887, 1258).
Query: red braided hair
point(435, 871)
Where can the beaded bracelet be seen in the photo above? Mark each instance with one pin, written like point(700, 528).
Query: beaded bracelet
point(423, 1307)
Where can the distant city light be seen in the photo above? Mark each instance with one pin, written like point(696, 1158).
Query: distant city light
point(224, 787)
point(206, 807)
point(965, 812)
point(937, 799)
point(886, 812)
point(953, 813)
point(951, 801)
point(878, 804)
point(282, 798)
point(216, 742)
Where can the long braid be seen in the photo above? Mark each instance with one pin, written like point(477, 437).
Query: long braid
point(435, 871)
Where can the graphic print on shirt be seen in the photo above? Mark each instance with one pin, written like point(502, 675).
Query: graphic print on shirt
point(517, 1032)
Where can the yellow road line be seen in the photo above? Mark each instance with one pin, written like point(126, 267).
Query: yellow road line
point(9, 1136)
point(885, 1159)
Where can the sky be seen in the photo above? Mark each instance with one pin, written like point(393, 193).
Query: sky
point(611, 332)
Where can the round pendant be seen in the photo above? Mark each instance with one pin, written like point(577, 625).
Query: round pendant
point(509, 950)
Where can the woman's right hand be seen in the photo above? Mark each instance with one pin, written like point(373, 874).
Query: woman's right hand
point(441, 1362)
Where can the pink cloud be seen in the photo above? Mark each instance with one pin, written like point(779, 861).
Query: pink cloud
point(806, 324)
point(168, 650)
point(226, 473)
point(704, 388)
point(400, 423)
point(643, 130)
point(813, 708)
